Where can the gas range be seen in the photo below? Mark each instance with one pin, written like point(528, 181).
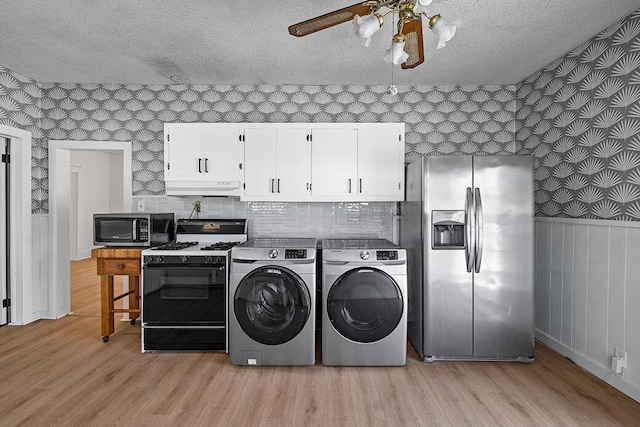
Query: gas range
point(185, 285)
point(199, 241)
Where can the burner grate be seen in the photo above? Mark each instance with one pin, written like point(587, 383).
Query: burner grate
point(220, 246)
point(175, 246)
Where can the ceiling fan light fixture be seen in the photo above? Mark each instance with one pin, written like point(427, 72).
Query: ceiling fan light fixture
point(407, 47)
point(365, 27)
point(444, 29)
point(396, 54)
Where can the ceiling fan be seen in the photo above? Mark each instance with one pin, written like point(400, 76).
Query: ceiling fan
point(407, 45)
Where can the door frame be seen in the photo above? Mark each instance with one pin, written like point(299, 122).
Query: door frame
point(59, 224)
point(20, 258)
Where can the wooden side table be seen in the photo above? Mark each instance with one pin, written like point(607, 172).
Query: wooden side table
point(117, 262)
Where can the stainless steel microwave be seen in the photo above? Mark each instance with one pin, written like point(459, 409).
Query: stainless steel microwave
point(133, 229)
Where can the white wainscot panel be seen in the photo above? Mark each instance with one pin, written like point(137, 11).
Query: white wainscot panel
point(588, 294)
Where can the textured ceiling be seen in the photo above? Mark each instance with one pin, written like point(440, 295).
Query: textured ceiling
point(246, 42)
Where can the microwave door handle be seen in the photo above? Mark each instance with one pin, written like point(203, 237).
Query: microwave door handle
point(134, 231)
point(469, 247)
point(479, 229)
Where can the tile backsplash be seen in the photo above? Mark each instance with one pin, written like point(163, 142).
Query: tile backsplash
point(287, 219)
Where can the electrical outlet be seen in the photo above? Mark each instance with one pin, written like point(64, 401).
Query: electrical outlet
point(619, 360)
point(140, 205)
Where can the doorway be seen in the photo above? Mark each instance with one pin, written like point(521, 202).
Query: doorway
point(5, 189)
point(60, 202)
point(16, 181)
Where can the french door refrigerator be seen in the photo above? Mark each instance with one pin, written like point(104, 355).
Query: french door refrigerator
point(467, 225)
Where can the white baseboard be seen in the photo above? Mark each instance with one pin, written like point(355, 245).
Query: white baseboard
point(603, 372)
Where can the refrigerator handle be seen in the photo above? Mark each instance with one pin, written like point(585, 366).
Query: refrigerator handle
point(469, 247)
point(479, 230)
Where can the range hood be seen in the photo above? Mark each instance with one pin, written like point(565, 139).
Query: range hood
point(201, 188)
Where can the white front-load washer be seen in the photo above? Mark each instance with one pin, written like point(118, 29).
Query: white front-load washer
point(364, 295)
point(272, 302)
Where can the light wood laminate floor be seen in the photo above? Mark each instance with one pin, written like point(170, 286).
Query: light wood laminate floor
point(60, 373)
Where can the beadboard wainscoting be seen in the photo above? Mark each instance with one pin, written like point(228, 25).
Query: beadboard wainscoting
point(588, 294)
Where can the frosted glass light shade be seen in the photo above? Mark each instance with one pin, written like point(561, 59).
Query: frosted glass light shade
point(396, 54)
point(366, 27)
point(445, 31)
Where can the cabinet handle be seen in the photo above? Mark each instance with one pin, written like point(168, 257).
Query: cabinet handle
point(307, 185)
point(349, 186)
point(120, 266)
point(272, 184)
point(200, 165)
point(206, 165)
point(360, 185)
point(278, 187)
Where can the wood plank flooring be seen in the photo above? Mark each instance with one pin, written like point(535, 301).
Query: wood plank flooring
point(60, 373)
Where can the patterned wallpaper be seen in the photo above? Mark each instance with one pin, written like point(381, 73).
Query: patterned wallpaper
point(439, 120)
point(580, 118)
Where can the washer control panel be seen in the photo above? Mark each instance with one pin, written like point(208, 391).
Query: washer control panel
point(386, 255)
point(295, 254)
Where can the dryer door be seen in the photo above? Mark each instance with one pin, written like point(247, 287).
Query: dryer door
point(272, 304)
point(365, 305)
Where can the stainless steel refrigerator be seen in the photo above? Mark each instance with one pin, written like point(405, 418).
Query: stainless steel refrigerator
point(467, 225)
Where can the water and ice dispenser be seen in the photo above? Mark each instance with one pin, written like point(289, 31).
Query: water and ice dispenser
point(447, 229)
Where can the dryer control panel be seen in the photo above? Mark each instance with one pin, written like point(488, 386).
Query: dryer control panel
point(386, 255)
point(295, 254)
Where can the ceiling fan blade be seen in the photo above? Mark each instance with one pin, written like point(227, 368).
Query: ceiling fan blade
point(412, 31)
point(329, 19)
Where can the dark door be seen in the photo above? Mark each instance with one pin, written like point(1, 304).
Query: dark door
point(365, 305)
point(5, 314)
point(272, 304)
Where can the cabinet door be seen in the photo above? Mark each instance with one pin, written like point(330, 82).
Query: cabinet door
point(260, 164)
point(184, 156)
point(222, 153)
point(334, 157)
point(293, 163)
point(380, 164)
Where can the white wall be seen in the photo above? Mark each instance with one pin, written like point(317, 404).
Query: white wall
point(588, 294)
point(99, 190)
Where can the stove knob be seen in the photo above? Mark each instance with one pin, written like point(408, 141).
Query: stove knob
point(365, 255)
point(273, 253)
point(184, 258)
point(208, 260)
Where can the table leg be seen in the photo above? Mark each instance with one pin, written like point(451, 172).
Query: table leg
point(134, 299)
point(106, 306)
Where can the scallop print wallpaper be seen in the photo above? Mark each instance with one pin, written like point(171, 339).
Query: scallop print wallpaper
point(580, 118)
point(439, 120)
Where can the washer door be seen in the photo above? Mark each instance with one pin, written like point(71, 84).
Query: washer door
point(365, 305)
point(272, 304)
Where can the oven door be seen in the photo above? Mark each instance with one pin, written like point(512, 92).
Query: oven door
point(184, 295)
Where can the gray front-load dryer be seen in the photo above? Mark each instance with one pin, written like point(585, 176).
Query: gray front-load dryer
point(364, 310)
point(272, 302)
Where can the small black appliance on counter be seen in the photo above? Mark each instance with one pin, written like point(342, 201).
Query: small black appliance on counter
point(133, 229)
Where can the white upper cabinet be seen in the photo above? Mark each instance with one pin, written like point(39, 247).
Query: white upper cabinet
point(380, 164)
point(202, 159)
point(321, 162)
point(334, 163)
point(362, 163)
point(277, 164)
